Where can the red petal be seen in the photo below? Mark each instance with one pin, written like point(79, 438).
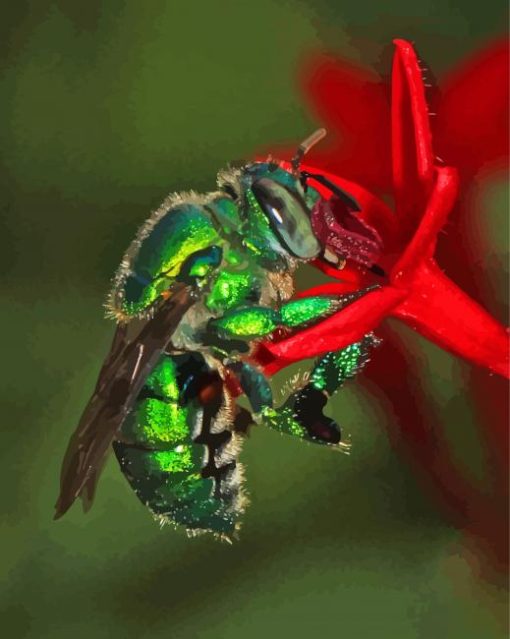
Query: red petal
point(345, 327)
point(423, 242)
point(413, 160)
point(354, 105)
point(472, 124)
point(444, 314)
point(331, 288)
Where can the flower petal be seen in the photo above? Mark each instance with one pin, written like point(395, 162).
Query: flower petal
point(345, 327)
point(330, 288)
point(444, 314)
point(423, 243)
point(471, 129)
point(412, 155)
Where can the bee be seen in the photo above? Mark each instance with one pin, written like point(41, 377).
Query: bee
point(205, 278)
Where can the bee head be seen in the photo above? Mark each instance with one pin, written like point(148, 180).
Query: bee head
point(276, 207)
point(276, 202)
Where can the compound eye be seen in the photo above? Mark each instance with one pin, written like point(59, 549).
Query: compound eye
point(288, 216)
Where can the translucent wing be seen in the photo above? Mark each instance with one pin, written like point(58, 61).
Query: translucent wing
point(120, 380)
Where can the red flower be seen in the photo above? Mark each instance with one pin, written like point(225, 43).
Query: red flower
point(417, 292)
point(389, 149)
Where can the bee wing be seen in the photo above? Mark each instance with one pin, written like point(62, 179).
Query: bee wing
point(121, 378)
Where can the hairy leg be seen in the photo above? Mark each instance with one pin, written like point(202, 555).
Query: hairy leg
point(302, 414)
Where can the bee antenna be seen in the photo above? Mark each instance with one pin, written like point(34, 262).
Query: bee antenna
point(305, 146)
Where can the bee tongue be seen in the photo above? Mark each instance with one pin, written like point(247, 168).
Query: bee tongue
point(345, 234)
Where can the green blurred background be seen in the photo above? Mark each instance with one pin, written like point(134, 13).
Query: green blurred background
point(105, 107)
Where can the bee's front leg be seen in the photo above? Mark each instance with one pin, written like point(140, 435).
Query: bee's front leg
point(254, 322)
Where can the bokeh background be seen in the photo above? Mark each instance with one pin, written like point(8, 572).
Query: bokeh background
point(105, 107)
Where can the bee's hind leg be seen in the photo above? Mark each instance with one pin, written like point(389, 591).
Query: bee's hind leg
point(301, 414)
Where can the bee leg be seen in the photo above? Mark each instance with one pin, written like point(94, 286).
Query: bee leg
point(301, 414)
point(254, 385)
point(307, 310)
point(255, 322)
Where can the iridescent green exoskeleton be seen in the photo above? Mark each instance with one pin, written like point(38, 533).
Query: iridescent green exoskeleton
point(205, 277)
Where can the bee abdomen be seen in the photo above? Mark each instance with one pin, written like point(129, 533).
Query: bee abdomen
point(177, 449)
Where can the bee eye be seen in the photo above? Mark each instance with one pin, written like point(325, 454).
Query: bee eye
point(289, 217)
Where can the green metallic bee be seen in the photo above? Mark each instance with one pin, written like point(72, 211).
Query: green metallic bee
point(205, 277)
